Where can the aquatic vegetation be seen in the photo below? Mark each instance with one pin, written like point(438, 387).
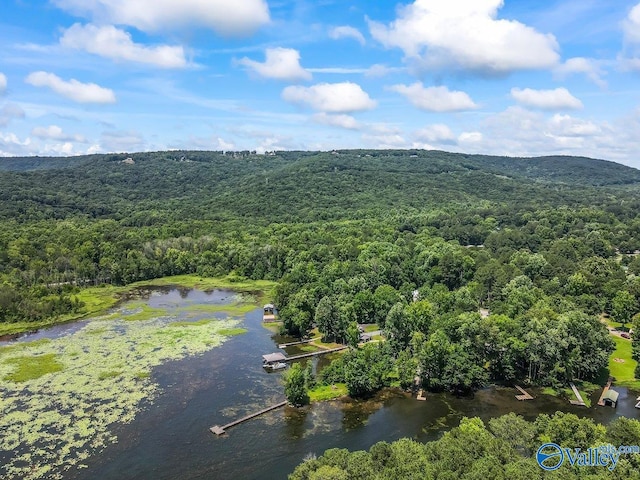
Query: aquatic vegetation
point(59, 398)
point(32, 367)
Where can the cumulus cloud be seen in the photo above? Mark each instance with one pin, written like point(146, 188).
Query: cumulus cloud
point(3, 83)
point(567, 126)
point(280, 64)
point(435, 99)
point(9, 112)
point(11, 145)
point(469, 138)
point(111, 42)
point(437, 133)
point(342, 121)
point(239, 17)
point(630, 56)
point(346, 31)
point(72, 89)
point(558, 99)
point(581, 65)
point(344, 97)
point(54, 132)
point(466, 35)
point(631, 25)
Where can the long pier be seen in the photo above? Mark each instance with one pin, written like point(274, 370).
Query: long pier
point(300, 342)
point(580, 401)
point(525, 395)
point(221, 430)
point(604, 392)
point(313, 354)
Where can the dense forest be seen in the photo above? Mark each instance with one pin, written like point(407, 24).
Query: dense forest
point(502, 450)
point(417, 242)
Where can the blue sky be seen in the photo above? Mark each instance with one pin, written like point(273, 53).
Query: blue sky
point(520, 78)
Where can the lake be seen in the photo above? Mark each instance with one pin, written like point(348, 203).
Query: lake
point(169, 436)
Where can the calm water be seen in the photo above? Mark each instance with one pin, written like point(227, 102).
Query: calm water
point(170, 439)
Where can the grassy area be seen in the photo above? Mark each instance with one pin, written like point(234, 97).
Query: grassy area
point(98, 300)
point(371, 328)
point(32, 367)
point(622, 366)
point(146, 313)
point(327, 392)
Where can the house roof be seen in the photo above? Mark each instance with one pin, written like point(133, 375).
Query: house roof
point(269, 305)
point(611, 395)
point(273, 357)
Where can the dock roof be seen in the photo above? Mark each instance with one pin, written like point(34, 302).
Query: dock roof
point(273, 357)
point(612, 395)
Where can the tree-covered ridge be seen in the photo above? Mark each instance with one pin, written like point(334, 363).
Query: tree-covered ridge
point(350, 236)
point(503, 449)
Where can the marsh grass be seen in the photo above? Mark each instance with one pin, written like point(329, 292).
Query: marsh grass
point(32, 367)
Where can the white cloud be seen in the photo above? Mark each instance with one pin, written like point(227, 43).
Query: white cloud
point(54, 132)
point(10, 111)
point(280, 63)
point(466, 35)
point(342, 121)
point(557, 99)
point(437, 133)
point(379, 70)
point(586, 66)
point(111, 42)
point(342, 97)
point(11, 145)
point(567, 126)
point(631, 25)
point(72, 89)
point(435, 99)
point(3, 83)
point(346, 31)
point(630, 56)
point(222, 145)
point(229, 18)
point(470, 138)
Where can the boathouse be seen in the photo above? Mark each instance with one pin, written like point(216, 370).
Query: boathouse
point(269, 313)
point(271, 359)
point(611, 398)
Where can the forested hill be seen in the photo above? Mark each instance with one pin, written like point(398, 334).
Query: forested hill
point(295, 186)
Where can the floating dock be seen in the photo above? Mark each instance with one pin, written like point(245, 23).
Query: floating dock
point(604, 393)
point(524, 394)
point(580, 401)
point(222, 430)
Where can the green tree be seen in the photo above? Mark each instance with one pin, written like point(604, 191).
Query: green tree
point(295, 386)
point(624, 307)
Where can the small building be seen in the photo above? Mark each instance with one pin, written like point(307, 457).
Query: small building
point(269, 313)
point(271, 359)
point(611, 398)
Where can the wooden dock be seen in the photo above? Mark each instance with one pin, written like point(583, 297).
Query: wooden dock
point(222, 430)
point(524, 394)
point(313, 354)
point(580, 401)
point(604, 392)
point(301, 342)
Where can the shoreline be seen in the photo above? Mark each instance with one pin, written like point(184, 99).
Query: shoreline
point(99, 300)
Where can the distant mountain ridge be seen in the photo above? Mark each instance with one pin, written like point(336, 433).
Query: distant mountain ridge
point(289, 186)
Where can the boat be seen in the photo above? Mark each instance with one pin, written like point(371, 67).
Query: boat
point(276, 366)
point(638, 404)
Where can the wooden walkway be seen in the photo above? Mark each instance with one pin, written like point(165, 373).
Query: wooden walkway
point(580, 401)
point(221, 430)
point(313, 354)
point(525, 395)
point(604, 392)
point(283, 345)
